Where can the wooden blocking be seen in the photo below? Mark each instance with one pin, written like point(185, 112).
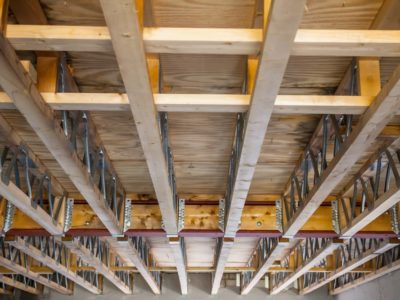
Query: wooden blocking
point(47, 70)
point(369, 76)
point(3, 15)
point(131, 57)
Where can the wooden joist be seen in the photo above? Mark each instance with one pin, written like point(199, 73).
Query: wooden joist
point(38, 278)
point(50, 262)
point(350, 266)
point(100, 266)
point(304, 266)
point(364, 134)
point(130, 255)
point(18, 198)
point(308, 42)
point(213, 103)
point(383, 264)
point(279, 35)
point(21, 285)
point(266, 265)
point(29, 102)
point(121, 16)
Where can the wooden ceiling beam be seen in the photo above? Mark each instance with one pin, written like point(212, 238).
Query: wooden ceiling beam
point(39, 115)
point(10, 281)
point(380, 267)
point(127, 251)
point(121, 16)
point(101, 265)
point(363, 135)
point(266, 265)
point(304, 265)
point(368, 83)
point(212, 103)
point(308, 42)
point(279, 34)
point(62, 268)
point(349, 266)
point(19, 269)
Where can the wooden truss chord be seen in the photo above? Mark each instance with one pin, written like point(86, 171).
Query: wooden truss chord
point(14, 81)
point(376, 186)
point(267, 252)
point(251, 129)
point(52, 253)
point(383, 264)
point(348, 148)
point(18, 262)
point(135, 251)
point(98, 254)
point(29, 197)
point(304, 256)
point(348, 257)
point(307, 42)
point(22, 283)
point(121, 16)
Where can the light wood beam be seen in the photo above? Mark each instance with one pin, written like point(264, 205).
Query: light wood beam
point(308, 42)
point(364, 134)
point(34, 276)
point(280, 31)
point(21, 286)
point(212, 103)
point(36, 254)
point(344, 87)
point(17, 197)
point(121, 16)
point(305, 267)
point(129, 254)
point(29, 102)
point(266, 265)
point(100, 267)
point(353, 264)
point(375, 274)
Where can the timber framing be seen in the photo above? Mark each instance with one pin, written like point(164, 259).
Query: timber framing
point(363, 135)
point(255, 138)
point(307, 42)
point(249, 139)
point(39, 115)
point(284, 104)
point(122, 16)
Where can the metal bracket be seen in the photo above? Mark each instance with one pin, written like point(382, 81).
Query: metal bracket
point(335, 216)
point(279, 215)
point(69, 205)
point(394, 219)
point(127, 214)
point(9, 216)
point(221, 214)
point(181, 214)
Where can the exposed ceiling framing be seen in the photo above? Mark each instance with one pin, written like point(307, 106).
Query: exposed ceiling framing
point(256, 137)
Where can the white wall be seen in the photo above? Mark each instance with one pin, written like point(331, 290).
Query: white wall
point(199, 288)
point(384, 288)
